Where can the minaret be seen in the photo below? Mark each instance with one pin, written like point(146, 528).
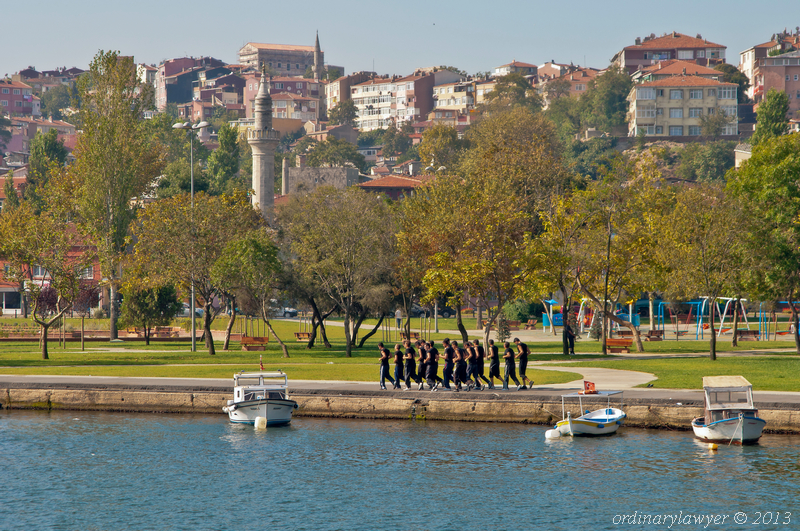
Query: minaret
point(263, 140)
point(317, 69)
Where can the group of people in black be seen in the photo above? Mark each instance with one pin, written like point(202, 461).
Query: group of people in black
point(463, 367)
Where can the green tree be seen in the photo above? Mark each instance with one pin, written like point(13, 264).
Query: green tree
point(221, 117)
point(395, 142)
point(731, 74)
point(5, 131)
point(344, 113)
point(565, 114)
point(9, 190)
point(557, 88)
point(57, 99)
point(150, 307)
point(47, 154)
point(605, 103)
point(223, 164)
point(512, 90)
point(116, 162)
point(441, 147)
point(713, 125)
point(370, 138)
point(334, 152)
point(188, 242)
point(332, 74)
point(706, 162)
point(771, 113)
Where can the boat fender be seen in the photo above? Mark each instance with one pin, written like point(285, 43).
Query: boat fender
point(296, 406)
point(600, 426)
point(260, 423)
point(713, 447)
point(619, 423)
point(225, 409)
point(552, 434)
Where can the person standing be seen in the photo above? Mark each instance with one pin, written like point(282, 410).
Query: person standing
point(494, 363)
point(480, 355)
point(523, 352)
point(569, 337)
point(410, 365)
point(398, 366)
point(385, 355)
point(508, 355)
point(449, 359)
point(398, 318)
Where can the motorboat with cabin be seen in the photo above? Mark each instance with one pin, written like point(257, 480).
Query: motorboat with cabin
point(260, 394)
point(604, 421)
point(730, 413)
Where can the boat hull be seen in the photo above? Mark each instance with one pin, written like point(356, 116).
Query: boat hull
point(597, 423)
point(746, 430)
point(278, 412)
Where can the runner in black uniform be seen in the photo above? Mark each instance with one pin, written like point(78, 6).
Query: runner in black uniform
point(449, 356)
point(480, 354)
point(472, 364)
point(433, 353)
point(522, 348)
point(508, 355)
point(494, 363)
point(461, 368)
point(410, 365)
point(385, 355)
point(398, 366)
point(431, 368)
point(421, 363)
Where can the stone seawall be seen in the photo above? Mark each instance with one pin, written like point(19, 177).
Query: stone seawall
point(486, 407)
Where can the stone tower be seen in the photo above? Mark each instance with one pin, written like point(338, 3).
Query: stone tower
point(318, 66)
point(263, 140)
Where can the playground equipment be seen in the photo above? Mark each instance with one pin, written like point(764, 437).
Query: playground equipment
point(769, 324)
point(549, 318)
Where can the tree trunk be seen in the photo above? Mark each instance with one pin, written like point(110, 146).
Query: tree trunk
point(794, 323)
point(318, 320)
point(610, 316)
point(348, 345)
point(460, 324)
point(112, 311)
point(479, 321)
point(361, 316)
point(209, 339)
point(713, 341)
point(278, 339)
point(651, 300)
point(735, 325)
point(43, 341)
point(228, 328)
point(372, 332)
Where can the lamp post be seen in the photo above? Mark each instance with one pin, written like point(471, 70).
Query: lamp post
point(190, 129)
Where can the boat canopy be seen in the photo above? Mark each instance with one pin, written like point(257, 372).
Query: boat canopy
point(728, 392)
point(734, 383)
point(273, 380)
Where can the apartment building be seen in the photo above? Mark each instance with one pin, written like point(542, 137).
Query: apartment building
point(673, 106)
point(175, 78)
point(339, 90)
point(652, 49)
point(515, 67)
point(781, 72)
point(288, 105)
point(750, 59)
point(16, 98)
point(285, 59)
point(458, 97)
point(304, 87)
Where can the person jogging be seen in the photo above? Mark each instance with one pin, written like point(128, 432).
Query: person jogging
point(494, 363)
point(385, 355)
point(523, 352)
point(508, 355)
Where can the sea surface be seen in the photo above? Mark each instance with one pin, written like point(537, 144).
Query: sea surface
point(116, 471)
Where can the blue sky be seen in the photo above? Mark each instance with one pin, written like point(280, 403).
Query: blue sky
point(397, 36)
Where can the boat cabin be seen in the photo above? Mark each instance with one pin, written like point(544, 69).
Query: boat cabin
point(727, 397)
point(260, 386)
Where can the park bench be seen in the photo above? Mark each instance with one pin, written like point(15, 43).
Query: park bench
point(747, 335)
point(531, 324)
point(621, 345)
point(414, 335)
point(254, 343)
point(134, 331)
point(513, 325)
point(302, 336)
point(624, 333)
point(166, 331)
point(655, 335)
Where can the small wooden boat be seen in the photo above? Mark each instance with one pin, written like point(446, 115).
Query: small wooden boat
point(605, 421)
point(260, 394)
point(731, 415)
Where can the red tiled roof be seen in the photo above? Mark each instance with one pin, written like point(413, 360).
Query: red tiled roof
point(686, 81)
point(769, 44)
point(673, 66)
point(392, 181)
point(288, 47)
point(675, 40)
point(15, 84)
point(519, 63)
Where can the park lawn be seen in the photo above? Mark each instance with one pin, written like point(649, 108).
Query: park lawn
point(766, 373)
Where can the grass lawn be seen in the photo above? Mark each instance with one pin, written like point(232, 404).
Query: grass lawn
point(766, 373)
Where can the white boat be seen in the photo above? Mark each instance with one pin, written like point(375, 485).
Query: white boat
point(731, 416)
point(603, 421)
point(260, 394)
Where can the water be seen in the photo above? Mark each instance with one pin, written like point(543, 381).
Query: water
point(92, 471)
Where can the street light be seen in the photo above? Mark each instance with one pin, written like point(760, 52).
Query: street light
point(190, 128)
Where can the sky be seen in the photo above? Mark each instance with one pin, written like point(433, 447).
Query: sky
point(388, 37)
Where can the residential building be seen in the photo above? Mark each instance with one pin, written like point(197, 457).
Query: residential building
point(24, 129)
point(515, 67)
point(285, 59)
point(175, 78)
point(750, 59)
point(458, 96)
point(482, 89)
point(288, 105)
point(16, 98)
point(552, 70)
point(339, 90)
point(321, 131)
point(673, 67)
point(673, 106)
point(652, 49)
point(578, 79)
point(742, 152)
point(146, 74)
point(781, 72)
point(308, 88)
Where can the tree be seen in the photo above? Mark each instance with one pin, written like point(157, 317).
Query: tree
point(221, 117)
point(731, 74)
point(767, 184)
point(47, 154)
point(250, 265)
point(56, 100)
point(605, 103)
point(115, 160)
point(343, 240)
point(223, 164)
point(345, 112)
point(557, 88)
point(150, 307)
point(177, 244)
point(370, 138)
point(395, 142)
point(713, 125)
point(512, 90)
point(565, 114)
point(5, 133)
point(441, 147)
point(333, 152)
point(10, 191)
point(771, 117)
point(332, 74)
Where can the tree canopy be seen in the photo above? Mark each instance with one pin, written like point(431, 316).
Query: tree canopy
point(772, 116)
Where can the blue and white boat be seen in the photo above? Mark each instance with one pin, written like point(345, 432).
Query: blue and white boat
point(731, 415)
point(260, 394)
point(603, 421)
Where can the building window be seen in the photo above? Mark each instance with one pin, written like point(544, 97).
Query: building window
point(726, 93)
point(696, 94)
point(676, 113)
point(580, 87)
point(647, 129)
point(4, 103)
point(87, 272)
point(38, 271)
point(676, 130)
point(695, 112)
point(642, 94)
point(795, 77)
point(728, 110)
point(712, 93)
point(279, 65)
point(312, 104)
point(685, 54)
point(297, 66)
point(701, 53)
point(16, 91)
point(676, 94)
point(646, 112)
point(278, 85)
point(694, 130)
point(299, 85)
point(17, 104)
point(659, 130)
point(730, 130)
point(5, 91)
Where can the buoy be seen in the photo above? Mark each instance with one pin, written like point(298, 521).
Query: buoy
point(712, 446)
point(552, 434)
point(260, 423)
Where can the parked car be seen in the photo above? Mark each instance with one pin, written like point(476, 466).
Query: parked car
point(187, 311)
point(283, 311)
